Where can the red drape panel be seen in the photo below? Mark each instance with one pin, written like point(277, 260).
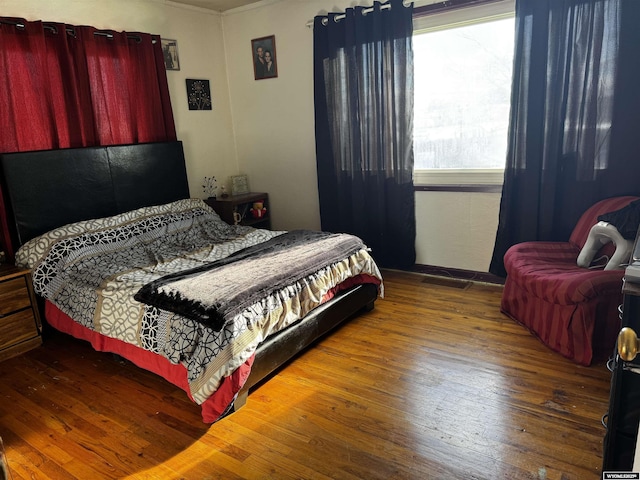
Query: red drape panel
point(74, 86)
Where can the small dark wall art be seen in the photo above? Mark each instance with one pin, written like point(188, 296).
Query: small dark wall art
point(263, 50)
point(198, 94)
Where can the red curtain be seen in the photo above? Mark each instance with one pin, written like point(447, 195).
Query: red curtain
point(69, 86)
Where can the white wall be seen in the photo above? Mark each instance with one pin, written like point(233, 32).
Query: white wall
point(207, 135)
point(456, 229)
point(274, 126)
point(265, 128)
point(273, 119)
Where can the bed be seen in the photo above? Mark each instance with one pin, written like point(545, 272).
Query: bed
point(124, 259)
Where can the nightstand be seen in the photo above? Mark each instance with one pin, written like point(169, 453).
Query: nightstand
point(236, 209)
point(20, 325)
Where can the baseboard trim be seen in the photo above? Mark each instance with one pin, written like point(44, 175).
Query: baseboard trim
point(457, 273)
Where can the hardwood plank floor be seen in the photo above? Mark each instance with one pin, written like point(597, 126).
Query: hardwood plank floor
point(433, 383)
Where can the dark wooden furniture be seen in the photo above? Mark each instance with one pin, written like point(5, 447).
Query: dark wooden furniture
point(623, 416)
point(236, 209)
point(19, 318)
point(43, 190)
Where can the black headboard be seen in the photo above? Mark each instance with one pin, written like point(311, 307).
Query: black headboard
point(47, 189)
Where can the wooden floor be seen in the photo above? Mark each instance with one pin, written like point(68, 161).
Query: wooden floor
point(433, 383)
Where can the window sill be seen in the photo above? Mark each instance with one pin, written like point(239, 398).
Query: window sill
point(458, 188)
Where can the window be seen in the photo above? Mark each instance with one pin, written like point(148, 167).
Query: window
point(462, 72)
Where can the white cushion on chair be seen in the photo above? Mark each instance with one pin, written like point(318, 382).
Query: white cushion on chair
point(601, 234)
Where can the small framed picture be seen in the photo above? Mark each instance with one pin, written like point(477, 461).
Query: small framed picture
point(170, 51)
point(239, 185)
point(198, 94)
point(263, 51)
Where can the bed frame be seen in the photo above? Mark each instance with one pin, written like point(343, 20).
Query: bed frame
point(47, 189)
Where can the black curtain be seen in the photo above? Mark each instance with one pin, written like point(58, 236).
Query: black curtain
point(573, 135)
point(363, 73)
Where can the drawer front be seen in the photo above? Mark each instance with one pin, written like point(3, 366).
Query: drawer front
point(14, 295)
point(17, 327)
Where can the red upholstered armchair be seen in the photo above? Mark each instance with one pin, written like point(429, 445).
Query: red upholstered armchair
point(572, 310)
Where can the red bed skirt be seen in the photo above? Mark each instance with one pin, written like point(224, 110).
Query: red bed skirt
point(212, 408)
point(215, 405)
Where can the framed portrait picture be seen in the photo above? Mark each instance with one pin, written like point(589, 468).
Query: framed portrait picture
point(239, 185)
point(263, 51)
point(170, 51)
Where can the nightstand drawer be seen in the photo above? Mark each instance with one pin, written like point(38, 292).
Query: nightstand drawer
point(17, 328)
point(14, 296)
point(19, 316)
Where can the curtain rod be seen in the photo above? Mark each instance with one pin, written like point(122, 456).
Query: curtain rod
point(384, 6)
point(70, 31)
point(421, 11)
point(448, 5)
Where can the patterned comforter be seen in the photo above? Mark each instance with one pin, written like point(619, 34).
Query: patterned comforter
point(91, 271)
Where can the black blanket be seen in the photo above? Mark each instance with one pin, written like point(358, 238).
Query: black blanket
point(213, 294)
